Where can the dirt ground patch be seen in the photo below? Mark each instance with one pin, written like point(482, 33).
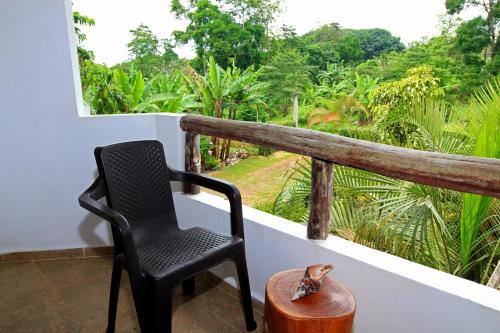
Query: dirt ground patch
point(323, 118)
point(259, 178)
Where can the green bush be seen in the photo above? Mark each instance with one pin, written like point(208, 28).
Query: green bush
point(247, 114)
point(265, 151)
point(356, 132)
point(420, 84)
point(208, 161)
point(265, 207)
point(328, 127)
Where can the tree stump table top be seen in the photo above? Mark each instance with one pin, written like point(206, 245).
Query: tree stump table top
point(330, 310)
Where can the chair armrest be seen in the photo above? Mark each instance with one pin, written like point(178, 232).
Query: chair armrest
point(89, 201)
point(218, 185)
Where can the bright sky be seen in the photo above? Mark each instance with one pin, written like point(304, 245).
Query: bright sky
point(409, 19)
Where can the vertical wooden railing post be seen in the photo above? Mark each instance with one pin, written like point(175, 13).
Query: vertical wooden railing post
point(193, 160)
point(318, 226)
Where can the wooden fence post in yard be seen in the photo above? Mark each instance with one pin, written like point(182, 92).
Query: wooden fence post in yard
point(318, 226)
point(193, 160)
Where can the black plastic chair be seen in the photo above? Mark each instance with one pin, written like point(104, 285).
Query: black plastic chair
point(135, 179)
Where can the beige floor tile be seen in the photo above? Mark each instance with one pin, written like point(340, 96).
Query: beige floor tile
point(227, 307)
point(72, 296)
point(8, 265)
point(67, 273)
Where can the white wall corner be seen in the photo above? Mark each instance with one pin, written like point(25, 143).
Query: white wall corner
point(81, 109)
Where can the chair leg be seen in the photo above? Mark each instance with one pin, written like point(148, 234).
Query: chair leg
point(246, 297)
point(189, 286)
point(162, 311)
point(113, 293)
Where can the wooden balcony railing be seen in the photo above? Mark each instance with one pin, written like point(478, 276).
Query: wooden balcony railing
point(455, 172)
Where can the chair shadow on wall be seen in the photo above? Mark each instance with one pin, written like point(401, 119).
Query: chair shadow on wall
point(88, 229)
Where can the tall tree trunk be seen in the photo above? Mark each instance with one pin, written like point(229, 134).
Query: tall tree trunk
point(215, 146)
point(226, 148)
point(228, 141)
point(215, 140)
point(490, 9)
point(296, 109)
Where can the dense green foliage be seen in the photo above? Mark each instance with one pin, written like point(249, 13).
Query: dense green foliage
point(82, 20)
point(454, 232)
point(222, 35)
point(480, 33)
point(432, 95)
point(148, 53)
point(332, 44)
point(286, 75)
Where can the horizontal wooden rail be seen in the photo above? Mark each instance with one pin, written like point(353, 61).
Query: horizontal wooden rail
point(455, 172)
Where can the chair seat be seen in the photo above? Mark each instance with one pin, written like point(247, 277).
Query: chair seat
point(181, 248)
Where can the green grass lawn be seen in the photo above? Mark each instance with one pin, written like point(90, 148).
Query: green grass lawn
point(259, 178)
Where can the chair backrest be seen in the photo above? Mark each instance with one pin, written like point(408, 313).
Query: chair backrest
point(136, 178)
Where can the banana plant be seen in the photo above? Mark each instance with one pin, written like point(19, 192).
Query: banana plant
point(334, 73)
point(172, 103)
point(164, 84)
point(166, 93)
point(363, 85)
point(132, 87)
point(219, 85)
point(217, 88)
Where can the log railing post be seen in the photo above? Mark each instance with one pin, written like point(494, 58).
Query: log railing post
point(192, 160)
point(318, 226)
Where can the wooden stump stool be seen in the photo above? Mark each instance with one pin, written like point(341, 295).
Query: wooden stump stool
point(330, 310)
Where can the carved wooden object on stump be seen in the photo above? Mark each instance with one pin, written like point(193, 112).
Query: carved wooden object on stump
point(331, 310)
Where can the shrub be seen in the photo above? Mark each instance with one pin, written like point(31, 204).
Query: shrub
point(420, 84)
point(208, 162)
point(265, 151)
point(356, 132)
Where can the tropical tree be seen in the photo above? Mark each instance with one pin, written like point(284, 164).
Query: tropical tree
point(481, 31)
point(375, 42)
point(363, 86)
point(420, 83)
point(334, 82)
point(149, 54)
point(350, 50)
point(144, 43)
point(263, 12)
point(218, 89)
point(80, 21)
point(167, 93)
point(131, 86)
point(217, 34)
point(391, 102)
point(459, 74)
point(287, 74)
point(100, 92)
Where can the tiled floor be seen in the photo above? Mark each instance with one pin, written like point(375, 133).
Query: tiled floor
point(71, 295)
